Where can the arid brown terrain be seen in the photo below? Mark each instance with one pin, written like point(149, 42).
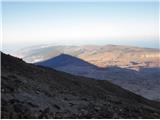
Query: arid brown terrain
point(123, 56)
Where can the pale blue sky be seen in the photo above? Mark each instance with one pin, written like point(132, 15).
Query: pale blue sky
point(31, 23)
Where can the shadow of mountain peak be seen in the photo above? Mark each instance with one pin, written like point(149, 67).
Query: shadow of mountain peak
point(64, 59)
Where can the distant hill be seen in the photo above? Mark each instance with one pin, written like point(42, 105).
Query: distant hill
point(30, 91)
point(103, 56)
point(144, 82)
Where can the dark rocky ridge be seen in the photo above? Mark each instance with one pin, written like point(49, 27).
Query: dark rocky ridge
point(30, 91)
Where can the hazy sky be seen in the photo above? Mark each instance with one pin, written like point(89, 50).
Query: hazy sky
point(30, 23)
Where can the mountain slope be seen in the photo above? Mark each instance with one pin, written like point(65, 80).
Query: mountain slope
point(29, 91)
